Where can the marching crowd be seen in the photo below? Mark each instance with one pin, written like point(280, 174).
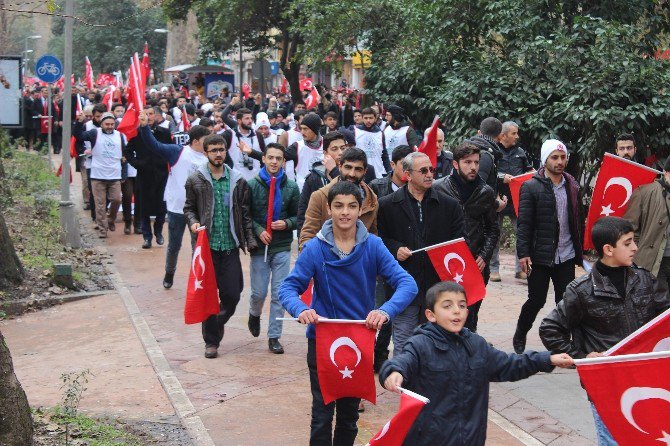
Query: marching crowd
point(363, 204)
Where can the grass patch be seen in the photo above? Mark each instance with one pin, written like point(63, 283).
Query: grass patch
point(87, 430)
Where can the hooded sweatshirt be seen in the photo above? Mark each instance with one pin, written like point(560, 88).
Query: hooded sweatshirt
point(344, 285)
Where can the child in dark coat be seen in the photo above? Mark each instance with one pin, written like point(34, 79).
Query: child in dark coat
point(452, 366)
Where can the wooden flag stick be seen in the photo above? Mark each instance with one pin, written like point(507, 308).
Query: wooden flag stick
point(323, 319)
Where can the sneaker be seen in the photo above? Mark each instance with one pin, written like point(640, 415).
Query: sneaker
point(146, 244)
point(254, 325)
point(519, 342)
point(521, 275)
point(211, 351)
point(361, 407)
point(495, 277)
point(159, 239)
point(275, 346)
point(126, 228)
point(167, 280)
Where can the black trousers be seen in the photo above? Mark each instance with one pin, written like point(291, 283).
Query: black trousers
point(473, 310)
point(321, 428)
point(664, 274)
point(230, 282)
point(538, 285)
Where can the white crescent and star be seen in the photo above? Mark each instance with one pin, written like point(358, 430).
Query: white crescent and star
point(458, 278)
point(662, 346)
point(197, 254)
point(383, 432)
point(618, 181)
point(348, 342)
point(634, 395)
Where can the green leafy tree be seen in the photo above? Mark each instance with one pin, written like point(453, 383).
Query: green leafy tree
point(109, 48)
point(260, 25)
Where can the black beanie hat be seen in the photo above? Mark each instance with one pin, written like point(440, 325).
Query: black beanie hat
point(397, 112)
point(312, 121)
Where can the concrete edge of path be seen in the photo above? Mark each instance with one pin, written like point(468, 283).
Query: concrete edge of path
point(175, 392)
point(512, 429)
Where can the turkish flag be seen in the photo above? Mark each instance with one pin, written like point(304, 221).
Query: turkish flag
point(454, 262)
point(284, 87)
point(246, 90)
point(306, 297)
point(632, 396)
point(312, 100)
point(108, 99)
point(429, 144)
point(146, 70)
point(186, 124)
point(515, 188)
point(131, 117)
point(617, 179)
point(394, 432)
point(306, 84)
point(89, 74)
point(344, 353)
point(654, 336)
point(129, 122)
point(202, 293)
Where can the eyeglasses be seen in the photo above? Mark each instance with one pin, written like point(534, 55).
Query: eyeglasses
point(424, 170)
point(217, 150)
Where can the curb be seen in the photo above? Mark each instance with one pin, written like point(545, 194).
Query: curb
point(512, 429)
point(18, 307)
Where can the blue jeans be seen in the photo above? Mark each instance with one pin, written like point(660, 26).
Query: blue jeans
point(176, 227)
point(279, 265)
point(403, 327)
point(604, 436)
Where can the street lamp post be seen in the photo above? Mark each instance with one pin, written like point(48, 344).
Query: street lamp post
point(26, 50)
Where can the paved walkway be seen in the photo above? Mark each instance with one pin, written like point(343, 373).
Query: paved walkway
point(247, 396)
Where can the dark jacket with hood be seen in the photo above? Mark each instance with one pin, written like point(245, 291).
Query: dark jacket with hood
point(491, 153)
point(199, 206)
point(593, 316)
point(453, 370)
point(537, 224)
point(480, 219)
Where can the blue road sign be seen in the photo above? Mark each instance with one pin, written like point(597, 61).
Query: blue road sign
point(48, 68)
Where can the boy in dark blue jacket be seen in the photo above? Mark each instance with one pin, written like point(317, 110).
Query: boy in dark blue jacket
point(344, 260)
point(452, 366)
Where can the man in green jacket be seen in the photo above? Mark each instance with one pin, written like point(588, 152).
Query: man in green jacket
point(277, 241)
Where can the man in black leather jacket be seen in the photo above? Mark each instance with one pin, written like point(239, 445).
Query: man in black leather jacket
point(478, 201)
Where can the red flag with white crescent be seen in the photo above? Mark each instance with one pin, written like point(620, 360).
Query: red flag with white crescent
point(89, 74)
point(312, 100)
point(131, 117)
point(246, 90)
point(631, 394)
point(306, 84)
point(202, 293)
point(515, 188)
point(454, 262)
point(617, 179)
point(394, 432)
point(344, 355)
point(146, 70)
point(108, 99)
point(429, 144)
point(654, 336)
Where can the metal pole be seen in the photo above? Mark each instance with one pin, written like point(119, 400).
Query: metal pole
point(50, 120)
point(241, 66)
point(67, 215)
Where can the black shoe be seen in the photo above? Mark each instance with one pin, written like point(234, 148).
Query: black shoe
point(167, 280)
point(519, 343)
point(275, 346)
point(146, 244)
point(137, 230)
point(159, 239)
point(255, 326)
point(126, 228)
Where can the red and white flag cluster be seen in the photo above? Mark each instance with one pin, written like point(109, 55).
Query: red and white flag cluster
point(629, 385)
point(136, 87)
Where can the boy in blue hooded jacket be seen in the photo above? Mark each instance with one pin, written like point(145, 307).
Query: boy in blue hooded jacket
point(344, 260)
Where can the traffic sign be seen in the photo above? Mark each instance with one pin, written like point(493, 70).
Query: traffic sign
point(48, 68)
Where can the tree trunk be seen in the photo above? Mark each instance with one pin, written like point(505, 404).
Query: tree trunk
point(16, 422)
point(10, 266)
point(290, 67)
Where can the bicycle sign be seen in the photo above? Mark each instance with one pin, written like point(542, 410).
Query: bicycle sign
point(48, 68)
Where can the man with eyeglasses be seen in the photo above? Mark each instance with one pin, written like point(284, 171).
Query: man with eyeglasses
point(218, 198)
point(413, 217)
point(549, 234)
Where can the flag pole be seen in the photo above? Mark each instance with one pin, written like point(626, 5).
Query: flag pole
point(265, 258)
point(438, 245)
point(323, 319)
point(622, 358)
point(423, 399)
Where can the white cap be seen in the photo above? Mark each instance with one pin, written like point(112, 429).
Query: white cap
point(207, 107)
point(262, 120)
point(549, 146)
point(164, 89)
point(152, 91)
